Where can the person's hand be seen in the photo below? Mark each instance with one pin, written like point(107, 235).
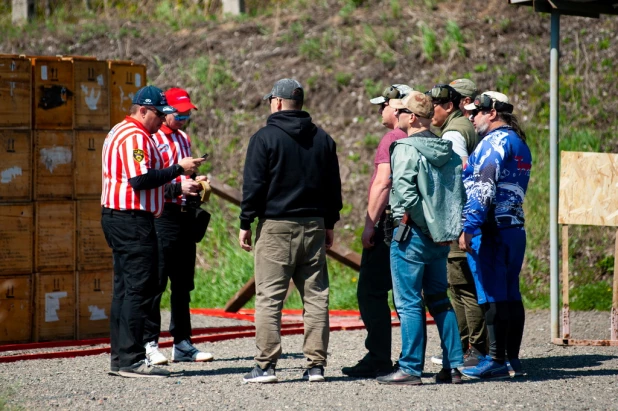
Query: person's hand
point(202, 178)
point(330, 237)
point(367, 236)
point(190, 187)
point(190, 164)
point(244, 239)
point(465, 242)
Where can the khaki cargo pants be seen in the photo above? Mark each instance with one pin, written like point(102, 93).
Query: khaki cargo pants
point(291, 248)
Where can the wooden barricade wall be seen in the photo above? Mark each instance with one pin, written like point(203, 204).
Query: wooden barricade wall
point(53, 93)
point(15, 308)
point(15, 92)
point(53, 164)
point(91, 94)
point(94, 300)
point(125, 79)
point(15, 165)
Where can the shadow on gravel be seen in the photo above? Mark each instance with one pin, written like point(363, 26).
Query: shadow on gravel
point(568, 366)
point(289, 356)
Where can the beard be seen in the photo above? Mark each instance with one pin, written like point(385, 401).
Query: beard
point(482, 128)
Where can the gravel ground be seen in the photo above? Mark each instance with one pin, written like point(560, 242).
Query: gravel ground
point(557, 378)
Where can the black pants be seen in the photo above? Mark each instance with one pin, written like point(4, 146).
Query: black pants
point(374, 283)
point(505, 325)
point(133, 240)
point(176, 262)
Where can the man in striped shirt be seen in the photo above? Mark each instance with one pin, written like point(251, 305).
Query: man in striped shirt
point(133, 179)
point(176, 243)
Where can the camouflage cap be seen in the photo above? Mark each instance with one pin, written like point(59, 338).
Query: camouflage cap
point(417, 102)
point(288, 89)
point(391, 92)
point(465, 87)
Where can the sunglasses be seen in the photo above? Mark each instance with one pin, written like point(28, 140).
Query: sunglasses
point(179, 117)
point(484, 103)
point(403, 110)
point(157, 112)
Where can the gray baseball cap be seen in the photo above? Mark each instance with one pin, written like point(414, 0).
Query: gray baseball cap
point(395, 91)
point(465, 87)
point(288, 89)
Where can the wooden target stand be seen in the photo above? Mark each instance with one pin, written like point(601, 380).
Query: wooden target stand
point(588, 196)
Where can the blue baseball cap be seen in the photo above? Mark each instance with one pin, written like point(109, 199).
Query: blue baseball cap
point(152, 96)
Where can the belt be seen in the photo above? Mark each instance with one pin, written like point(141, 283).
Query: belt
point(176, 208)
point(134, 213)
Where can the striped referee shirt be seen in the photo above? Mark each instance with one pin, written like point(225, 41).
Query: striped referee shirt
point(129, 151)
point(173, 146)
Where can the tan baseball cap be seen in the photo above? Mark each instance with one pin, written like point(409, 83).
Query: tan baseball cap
point(465, 87)
point(489, 100)
point(417, 102)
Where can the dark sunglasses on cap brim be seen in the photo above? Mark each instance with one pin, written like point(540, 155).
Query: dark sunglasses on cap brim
point(485, 102)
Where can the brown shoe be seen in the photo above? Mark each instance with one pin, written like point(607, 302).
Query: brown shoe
point(401, 378)
point(448, 376)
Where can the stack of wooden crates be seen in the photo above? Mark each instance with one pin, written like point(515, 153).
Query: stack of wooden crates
point(55, 266)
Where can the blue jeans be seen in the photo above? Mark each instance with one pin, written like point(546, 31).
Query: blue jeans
point(418, 264)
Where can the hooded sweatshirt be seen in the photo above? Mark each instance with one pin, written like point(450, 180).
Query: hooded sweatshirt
point(291, 170)
point(427, 185)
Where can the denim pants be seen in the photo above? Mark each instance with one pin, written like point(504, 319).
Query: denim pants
point(419, 265)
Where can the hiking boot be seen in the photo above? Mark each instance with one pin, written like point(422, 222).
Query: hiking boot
point(515, 368)
point(143, 369)
point(400, 377)
point(153, 354)
point(436, 359)
point(487, 369)
point(448, 376)
point(364, 369)
point(472, 357)
point(314, 374)
point(186, 352)
point(261, 375)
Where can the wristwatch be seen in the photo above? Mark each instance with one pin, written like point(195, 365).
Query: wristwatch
point(178, 170)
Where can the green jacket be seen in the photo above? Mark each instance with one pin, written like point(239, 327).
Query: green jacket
point(457, 122)
point(427, 184)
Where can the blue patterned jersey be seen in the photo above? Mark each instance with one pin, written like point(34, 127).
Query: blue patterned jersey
point(496, 179)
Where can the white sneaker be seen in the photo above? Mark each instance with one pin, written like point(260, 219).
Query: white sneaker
point(437, 359)
point(186, 352)
point(155, 357)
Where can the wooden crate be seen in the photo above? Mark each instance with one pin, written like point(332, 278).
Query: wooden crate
point(15, 308)
point(16, 238)
point(94, 302)
point(91, 79)
point(125, 79)
point(93, 253)
point(53, 93)
point(53, 164)
point(54, 240)
point(15, 92)
point(54, 308)
point(15, 165)
point(88, 168)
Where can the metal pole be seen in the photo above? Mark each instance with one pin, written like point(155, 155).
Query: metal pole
point(553, 173)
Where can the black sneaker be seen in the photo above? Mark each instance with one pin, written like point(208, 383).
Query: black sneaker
point(400, 377)
point(314, 374)
point(366, 370)
point(143, 369)
point(261, 375)
point(448, 376)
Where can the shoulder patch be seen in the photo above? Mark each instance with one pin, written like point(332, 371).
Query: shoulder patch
point(138, 155)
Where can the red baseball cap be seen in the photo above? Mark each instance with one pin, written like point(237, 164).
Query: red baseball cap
point(179, 99)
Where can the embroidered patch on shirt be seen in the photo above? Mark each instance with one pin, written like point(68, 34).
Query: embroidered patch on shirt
point(138, 155)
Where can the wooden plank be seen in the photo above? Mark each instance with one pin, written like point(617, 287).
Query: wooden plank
point(241, 298)
point(588, 189)
point(566, 316)
point(55, 306)
point(91, 94)
point(53, 93)
point(94, 302)
point(16, 233)
point(125, 79)
point(53, 165)
point(593, 343)
point(15, 165)
point(15, 92)
point(54, 236)
point(87, 152)
point(15, 308)
point(93, 253)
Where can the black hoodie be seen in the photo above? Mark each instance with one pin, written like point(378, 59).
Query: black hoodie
point(291, 170)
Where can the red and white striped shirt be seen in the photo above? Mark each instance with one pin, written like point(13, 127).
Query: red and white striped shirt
point(173, 146)
point(129, 151)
